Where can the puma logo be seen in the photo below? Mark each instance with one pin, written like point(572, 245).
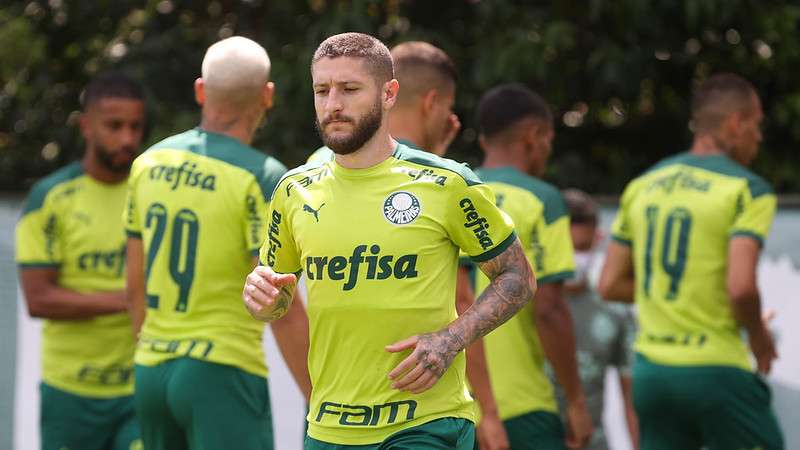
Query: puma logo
point(313, 211)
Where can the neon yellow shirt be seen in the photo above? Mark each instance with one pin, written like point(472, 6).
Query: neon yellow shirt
point(513, 351)
point(678, 218)
point(379, 247)
point(72, 222)
point(198, 201)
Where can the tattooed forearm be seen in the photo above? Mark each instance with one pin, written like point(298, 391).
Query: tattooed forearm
point(282, 302)
point(512, 286)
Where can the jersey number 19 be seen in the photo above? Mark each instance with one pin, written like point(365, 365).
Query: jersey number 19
point(676, 230)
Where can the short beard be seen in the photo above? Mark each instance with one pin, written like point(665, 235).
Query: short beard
point(363, 131)
point(106, 159)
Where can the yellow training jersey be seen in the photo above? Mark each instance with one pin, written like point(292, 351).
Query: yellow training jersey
point(379, 247)
point(513, 351)
point(678, 218)
point(73, 223)
point(198, 201)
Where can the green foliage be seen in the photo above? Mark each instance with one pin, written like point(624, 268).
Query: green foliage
point(618, 74)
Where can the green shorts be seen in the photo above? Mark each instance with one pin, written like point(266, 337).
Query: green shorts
point(70, 421)
point(442, 434)
point(187, 403)
point(538, 430)
point(721, 408)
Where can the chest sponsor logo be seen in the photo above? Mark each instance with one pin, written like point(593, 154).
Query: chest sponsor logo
point(401, 208)
point(185, 175)
point(112, 261)
point(369, 415)
point(477, 223)
point(378, 266)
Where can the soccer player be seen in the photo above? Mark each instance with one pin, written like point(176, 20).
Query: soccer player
point(686, 244)
point(377, 232)
point(603, 334)
point(71, 254)
point(516, 131)
point(422, 118)
point(195, 219)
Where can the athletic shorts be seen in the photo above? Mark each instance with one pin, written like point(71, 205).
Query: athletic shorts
point(687, 408)
point(74, 422)
point(186, 404)
point(442, 434)
point(538, 430)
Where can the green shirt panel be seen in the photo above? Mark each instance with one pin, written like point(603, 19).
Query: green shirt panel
point(198, 201)
point(379, 247)
point(72, 222)
point(678, 218)
point(513, 351)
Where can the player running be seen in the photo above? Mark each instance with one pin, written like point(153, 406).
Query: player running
point(71, 255)
point(381, 264)
point(686, 244)
point(195, 219)
point(516, 133)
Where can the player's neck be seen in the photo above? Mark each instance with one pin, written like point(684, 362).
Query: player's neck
point(242, 128)
point(706, 146)
point(497, 158)
point(403, 126)
point(94, 169)
point(374, 152)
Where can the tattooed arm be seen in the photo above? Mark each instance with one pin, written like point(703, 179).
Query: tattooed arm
point(512, 286)
point(267, 294)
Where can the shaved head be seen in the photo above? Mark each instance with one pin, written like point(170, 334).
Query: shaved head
point(719, 97)
point(421, 67)
point(234, 72)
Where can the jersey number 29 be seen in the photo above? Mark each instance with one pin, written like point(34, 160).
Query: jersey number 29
point(182, 250)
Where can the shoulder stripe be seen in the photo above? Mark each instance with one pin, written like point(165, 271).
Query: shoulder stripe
point(423, 158)
point(40, 190)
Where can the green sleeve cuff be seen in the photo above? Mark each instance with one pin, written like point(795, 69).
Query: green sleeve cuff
point(621, 240)
point(39, 265)
point(555, 277)
point(755, 236)
point(499, 248)
point(133, 234)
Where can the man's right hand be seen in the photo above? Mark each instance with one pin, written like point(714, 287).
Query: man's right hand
point(763, 345)
point(492, 434)
point(579, 425)
point(267, 295)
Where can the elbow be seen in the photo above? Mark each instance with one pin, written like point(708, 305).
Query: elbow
point(606, 287)
point(742, 292)
point(36, 309)
point(532, 286)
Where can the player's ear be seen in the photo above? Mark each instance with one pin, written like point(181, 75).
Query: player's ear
point(83, 122)
point(268, 95)
point(390, 90)
point(199, 91)
point(428, 101)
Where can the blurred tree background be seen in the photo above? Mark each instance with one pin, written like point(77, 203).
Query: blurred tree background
point(618, 73)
